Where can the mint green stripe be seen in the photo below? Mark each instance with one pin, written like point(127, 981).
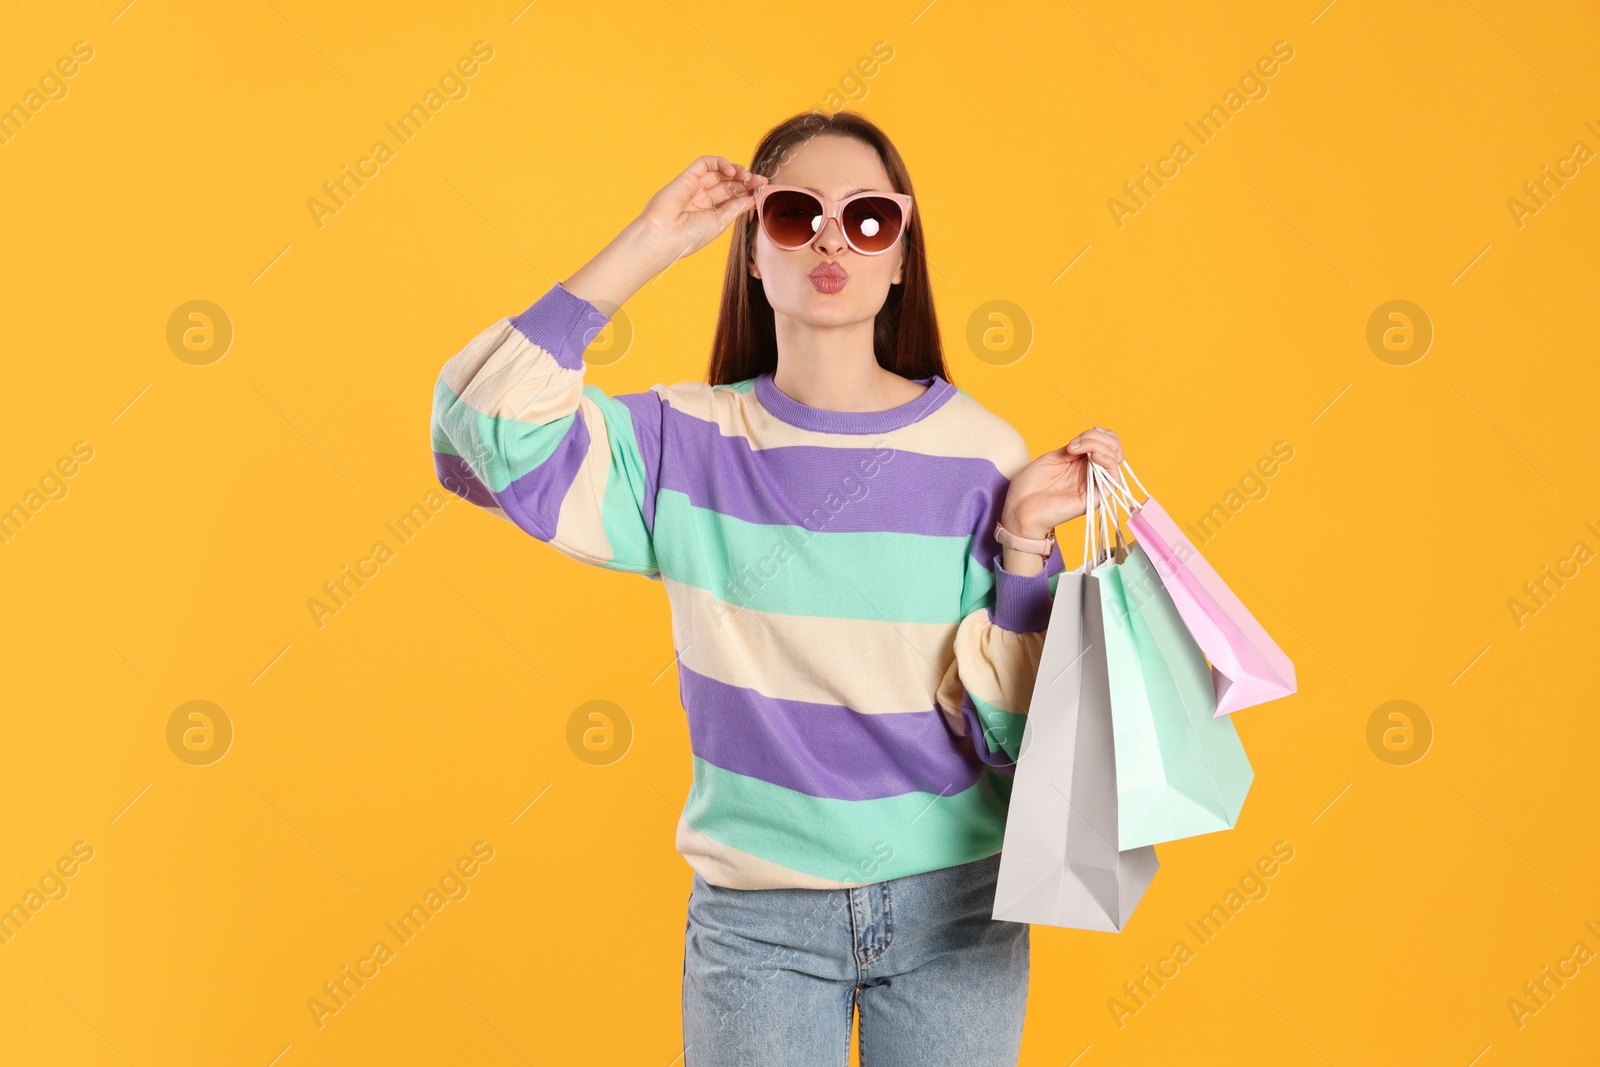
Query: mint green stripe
point(895, 577)
point(848, 840)
point(626, 485)
point(979, 587)
point(1002, 729)
point(499, 450)
point(442, 398)
point(981, 583)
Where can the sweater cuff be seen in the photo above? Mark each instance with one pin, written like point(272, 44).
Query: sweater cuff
point(1023, 604)
point(562, 324)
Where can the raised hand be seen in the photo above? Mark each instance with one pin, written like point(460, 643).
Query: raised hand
point(694, 208)
point(685, 216)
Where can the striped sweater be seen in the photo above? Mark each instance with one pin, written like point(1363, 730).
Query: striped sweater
point(854, 661)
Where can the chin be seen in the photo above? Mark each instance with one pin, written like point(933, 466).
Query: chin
point(845, 306)
point(825, 309)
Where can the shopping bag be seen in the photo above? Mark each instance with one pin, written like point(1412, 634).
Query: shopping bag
point(1059, 862)
point(1181, 770)
point(1247, 666)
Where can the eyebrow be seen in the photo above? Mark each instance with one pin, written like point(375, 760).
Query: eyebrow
point(849, 192)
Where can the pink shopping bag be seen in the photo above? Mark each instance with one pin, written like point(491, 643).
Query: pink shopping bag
point(1247, 666)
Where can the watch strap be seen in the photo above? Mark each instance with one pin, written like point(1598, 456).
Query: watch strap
point(1042, 545)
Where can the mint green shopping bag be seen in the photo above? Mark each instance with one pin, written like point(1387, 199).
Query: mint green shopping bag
point(1180, 770)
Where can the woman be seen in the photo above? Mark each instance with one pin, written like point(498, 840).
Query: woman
point(859, 559)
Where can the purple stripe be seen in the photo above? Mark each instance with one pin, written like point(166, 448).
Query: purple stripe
point(456, 476)
point(1022, 604)
point(990, 747)
point(824, 750)
point(561, 324)
point(847, 490)
point(533, 501)
point(790, 410)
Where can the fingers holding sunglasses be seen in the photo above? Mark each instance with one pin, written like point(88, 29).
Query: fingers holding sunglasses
point(730, 189)
point(715, 171)
point(730, 198)
point(735, 196)
point(697, 205)
point(712, 168)
point(750, 178)
point(731, 209)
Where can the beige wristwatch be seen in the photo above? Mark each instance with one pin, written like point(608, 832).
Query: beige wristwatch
point(1041, 545)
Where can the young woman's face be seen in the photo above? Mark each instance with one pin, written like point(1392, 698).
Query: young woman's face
point(835, 166)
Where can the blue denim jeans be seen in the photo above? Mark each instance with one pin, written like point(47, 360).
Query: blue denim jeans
point(773, 976)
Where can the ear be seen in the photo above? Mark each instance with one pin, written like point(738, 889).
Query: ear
point(899, 268)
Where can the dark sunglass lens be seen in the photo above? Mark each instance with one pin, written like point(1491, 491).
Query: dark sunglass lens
point(873, 222)
point(791, 218)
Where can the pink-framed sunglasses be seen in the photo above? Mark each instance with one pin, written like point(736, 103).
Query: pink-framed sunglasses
point(871, 222)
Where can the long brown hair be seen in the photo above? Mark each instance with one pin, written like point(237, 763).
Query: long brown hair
point(905, 336)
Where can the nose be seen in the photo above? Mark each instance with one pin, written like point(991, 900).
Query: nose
point(830, 239)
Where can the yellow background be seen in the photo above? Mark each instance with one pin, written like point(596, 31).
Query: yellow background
point(432, 710)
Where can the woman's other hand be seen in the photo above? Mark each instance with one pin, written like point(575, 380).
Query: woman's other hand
point(685, 216)
point(694, 208)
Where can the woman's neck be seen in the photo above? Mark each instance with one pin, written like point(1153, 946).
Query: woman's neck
point(834, 368)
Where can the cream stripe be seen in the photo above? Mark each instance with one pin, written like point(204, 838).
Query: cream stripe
point(460, 368)
point(725, 865)
point(580, 528)
point(872, 666)
point(996, 665)
point(501, 373)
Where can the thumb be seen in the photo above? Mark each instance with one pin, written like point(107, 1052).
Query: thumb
point(735, 207)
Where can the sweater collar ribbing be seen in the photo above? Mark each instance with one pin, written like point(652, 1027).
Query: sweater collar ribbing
point(782, 406)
